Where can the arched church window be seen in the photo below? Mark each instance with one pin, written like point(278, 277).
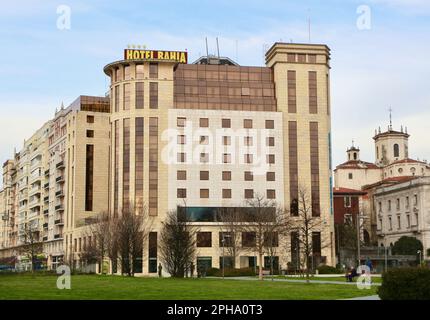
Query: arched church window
point(396, 150)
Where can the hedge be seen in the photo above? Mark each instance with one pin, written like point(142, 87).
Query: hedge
point(229, 272)
point(328, 270)
point(405, 284)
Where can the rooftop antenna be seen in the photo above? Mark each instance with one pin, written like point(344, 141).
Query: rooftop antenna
point(353, 143)
point(207, 48)
point(217, 46)
point(309, 25)
point(391, 122)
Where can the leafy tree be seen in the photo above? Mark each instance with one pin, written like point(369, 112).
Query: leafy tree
point(407, 246)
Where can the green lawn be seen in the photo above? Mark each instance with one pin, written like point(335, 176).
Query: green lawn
point(117, 288)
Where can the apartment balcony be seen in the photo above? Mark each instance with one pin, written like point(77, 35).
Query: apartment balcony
point(59, 194)
point(45, 238)
point(46, 185)
point(5, 217)
point(60, 179)
point(60, 165)
point(23, 195)
point(34, 191)
point(46, 173)
point(59, 207)
point(34, 203)
point(45, 225)
point(46, 199)
point(46, 211)
point(58, 236)
point(22, 187)
point(35, 178)
point(59, 222)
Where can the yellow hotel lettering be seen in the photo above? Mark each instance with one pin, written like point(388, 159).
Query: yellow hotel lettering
point(177, 56)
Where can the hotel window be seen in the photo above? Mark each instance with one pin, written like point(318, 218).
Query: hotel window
point(247, 124)
point(226, 123)
point(249, 193)
point(228, 239)
point(270, 141)
point(226, 141)
point(313, 106)
point(350, 176)
point(127, 73)
point(139, 95)
point(139, 156)
point(126, 164)
point(312, 58)
point(407, 203)
point(270, 159)
point(152, 252)
point(248, 176)
point(226, 158)
point(226, 193)
point(380, 206)
point(127, 96)
point(291, 57)
point(90, 119)
point(398, 204)
point(153, 166)
point(408, 220)
point(180, 122)
point(181, 157)
point(116, 98)
point(270, 176)
point(204, 157)
point(396, 150)
point(204, 193)
point(181, 139)
point(181, 175)
point(181, 193)
point(249, 239)
point(271, 194)
point(270, 124)
point(153, 70)
point(314, 166)
point(89, 167)
point(415, 200)
point(399, 226)
point(301, 58)
point(390, 223)
point(389, 205)
point(292, 102)
point(204, 175)
point(204, 140)
point(248, 158)
point(248, 141)
point(153, 95)
point(90, 133)
point(204, 239)
point(204, 122)
point(245, 92)
point(226, 175)
point(118, 74)
point(139, 71)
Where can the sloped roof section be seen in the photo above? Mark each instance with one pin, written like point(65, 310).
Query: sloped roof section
point(357, 164)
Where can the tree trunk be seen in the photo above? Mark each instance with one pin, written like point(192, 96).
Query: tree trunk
point(260, 267)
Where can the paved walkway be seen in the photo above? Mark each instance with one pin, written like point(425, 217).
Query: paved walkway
point(365, 298)
point(267, 278)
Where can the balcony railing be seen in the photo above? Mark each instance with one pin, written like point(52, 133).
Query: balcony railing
point(60, 165)
point(59, 222)
point(46, 199)
point(46, 211)
point(45, 225)
point(46, 185)
point(47, 172)
point(59, 207)
point(45, 238)
point(60, 179)
point(59, 193)
point(58, 236)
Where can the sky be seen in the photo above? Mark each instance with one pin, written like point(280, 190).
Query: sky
point(380, 56)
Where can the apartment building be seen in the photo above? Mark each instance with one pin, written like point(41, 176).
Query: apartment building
point(52, 185)
point(403, 210)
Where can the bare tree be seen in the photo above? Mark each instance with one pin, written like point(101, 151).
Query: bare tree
point(90, 254)
point(265, 221)
point(102, 229)
point(308, 225)
point(177, 243)
point(31, 246)
point(132, 228)
point(231, 219)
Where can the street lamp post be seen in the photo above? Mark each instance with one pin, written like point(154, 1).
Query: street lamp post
point(223, 257)
point(421, 256)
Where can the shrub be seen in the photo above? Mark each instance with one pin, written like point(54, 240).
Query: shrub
point(405, 284)
point(230, 272)
point(328, 270)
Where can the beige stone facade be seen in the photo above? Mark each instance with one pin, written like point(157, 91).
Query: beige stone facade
point(175, 132)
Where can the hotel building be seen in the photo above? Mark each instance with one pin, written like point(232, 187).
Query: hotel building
point(207, 135)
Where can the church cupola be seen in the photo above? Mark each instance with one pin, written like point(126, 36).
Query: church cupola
point(353, 153)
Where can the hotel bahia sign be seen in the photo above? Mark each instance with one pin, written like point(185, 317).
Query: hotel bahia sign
point(156, 55)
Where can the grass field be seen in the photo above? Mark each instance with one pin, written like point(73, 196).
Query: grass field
point(91, 287)
point(341, 279)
